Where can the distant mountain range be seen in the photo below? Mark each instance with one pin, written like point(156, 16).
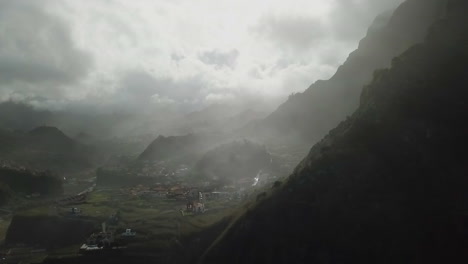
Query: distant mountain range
point(388, 185)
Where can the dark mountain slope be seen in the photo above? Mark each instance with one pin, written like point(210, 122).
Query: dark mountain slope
point(49, 139)
point(311, 114)
point(26, 181)
point(234, 161)
point(46, 148)
point(20, 116)
point(178, 147)
point(388, 185)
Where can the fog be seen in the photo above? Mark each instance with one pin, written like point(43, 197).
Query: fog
point(170, 58)
point(247, 131)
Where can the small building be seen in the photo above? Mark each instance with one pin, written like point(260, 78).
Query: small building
point(99, 241)
point(128, 233)
point(114, 218)
point(75, 211)
point(195, 207)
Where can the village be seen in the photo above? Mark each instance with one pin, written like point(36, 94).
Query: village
point(150, 217)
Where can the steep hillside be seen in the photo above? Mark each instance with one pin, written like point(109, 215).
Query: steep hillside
point(177, 147)
point(388, 185)
point(49, 139)
point(30, 181)
point(45, 148)
point(311, 114)
point(21, 116)
point(234, 161)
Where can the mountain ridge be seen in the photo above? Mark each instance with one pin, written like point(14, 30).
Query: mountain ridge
point(311, 114)
point(385, 186)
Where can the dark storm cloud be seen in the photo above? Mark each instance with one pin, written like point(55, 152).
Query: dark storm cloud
point(36, 47)
point(220, 59)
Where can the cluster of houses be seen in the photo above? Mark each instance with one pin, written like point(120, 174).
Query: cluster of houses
point(106, 239)
point(152, 169)
point(100, 240)
point(196, 203)
point(160, 169)
point(180, 192)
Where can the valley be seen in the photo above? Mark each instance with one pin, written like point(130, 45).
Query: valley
point(367, 166)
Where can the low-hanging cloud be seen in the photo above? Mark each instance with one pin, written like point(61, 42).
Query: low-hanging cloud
point(296, 33)
point(37, 53)
point(219, 58)
point(141, 54)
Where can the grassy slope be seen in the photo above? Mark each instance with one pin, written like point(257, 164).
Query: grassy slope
point(162, 232)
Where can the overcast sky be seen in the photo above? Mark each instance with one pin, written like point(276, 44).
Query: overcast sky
point(173, 53)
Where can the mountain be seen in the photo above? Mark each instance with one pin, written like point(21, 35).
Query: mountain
point(177, 147)
point(84, 138)
point(22, 116)
point(388, 185)
point(234, 161)
point(212, 126)
point(45, 148)
point(45, 138)
point(311, 114)
point(22, 180)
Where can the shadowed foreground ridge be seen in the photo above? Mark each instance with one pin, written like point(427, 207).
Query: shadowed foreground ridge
point(388, 185)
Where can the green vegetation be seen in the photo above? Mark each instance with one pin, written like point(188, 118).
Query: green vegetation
point(159, 224)
point(28, 181)
point(119, 177)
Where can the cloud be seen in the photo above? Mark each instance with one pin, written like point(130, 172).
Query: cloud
point(139, 90)
point(353, 17)
point(37, 53)
point(220, 59)
point(162, 101)
point(186, 54)
point(220, 98)
point(296, 33)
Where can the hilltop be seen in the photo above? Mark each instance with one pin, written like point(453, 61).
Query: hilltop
point(46, 148)
point(178, 147)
